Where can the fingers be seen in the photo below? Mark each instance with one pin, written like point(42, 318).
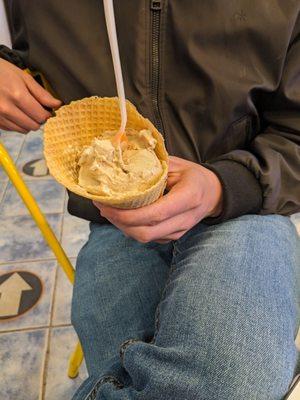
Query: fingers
point(172, 238)
point(10, 126)
point(40, 94)
point(177, 164)
point(33, 109)
point(171, 229)
point(177, 200)
point(144, 236)
point(22, 100)
point(18, 117)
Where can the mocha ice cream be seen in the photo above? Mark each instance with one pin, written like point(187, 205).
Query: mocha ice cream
point(107, 168)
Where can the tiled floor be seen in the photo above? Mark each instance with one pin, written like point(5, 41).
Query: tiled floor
point(35, 346)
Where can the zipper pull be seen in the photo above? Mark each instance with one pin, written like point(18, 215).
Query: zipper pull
point(155, 5)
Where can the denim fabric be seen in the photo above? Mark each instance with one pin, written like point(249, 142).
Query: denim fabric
point(212, 316)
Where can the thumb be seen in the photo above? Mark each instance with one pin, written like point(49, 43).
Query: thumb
point(174, 171)
point(41, 95)
point(176, 163)
point(173, 179)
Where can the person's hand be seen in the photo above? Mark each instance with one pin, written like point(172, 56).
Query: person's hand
point(194, 193)
point(22, 100)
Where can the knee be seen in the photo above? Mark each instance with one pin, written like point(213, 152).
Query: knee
point(223, 372)
point(234, 373)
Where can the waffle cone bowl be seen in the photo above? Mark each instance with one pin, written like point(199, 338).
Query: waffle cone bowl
point(75, 125)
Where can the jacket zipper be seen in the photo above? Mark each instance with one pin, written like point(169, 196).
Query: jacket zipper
point(156, 6)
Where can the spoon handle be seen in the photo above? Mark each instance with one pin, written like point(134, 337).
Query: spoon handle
point(113, 41)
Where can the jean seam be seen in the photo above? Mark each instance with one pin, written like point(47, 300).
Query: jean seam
point(175, 249)
point(124, 345)
point(104, 379)
point(82, 389)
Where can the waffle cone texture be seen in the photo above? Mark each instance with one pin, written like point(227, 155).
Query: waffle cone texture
point(75, 125)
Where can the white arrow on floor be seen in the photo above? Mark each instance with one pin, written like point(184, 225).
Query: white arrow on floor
point(11, 293)
point(39, 168)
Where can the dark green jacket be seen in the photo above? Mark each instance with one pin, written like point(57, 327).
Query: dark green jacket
point(220, 79)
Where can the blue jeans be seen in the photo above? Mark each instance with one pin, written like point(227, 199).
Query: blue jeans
point(212, 316)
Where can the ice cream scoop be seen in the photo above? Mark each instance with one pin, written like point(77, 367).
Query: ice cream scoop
point(103, 172)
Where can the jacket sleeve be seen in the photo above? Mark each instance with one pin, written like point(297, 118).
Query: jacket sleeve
point(265, 177)
point(12, 56)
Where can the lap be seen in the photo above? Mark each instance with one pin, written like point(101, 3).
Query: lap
point(242, 273)
point(228, 314)
point(233, 298)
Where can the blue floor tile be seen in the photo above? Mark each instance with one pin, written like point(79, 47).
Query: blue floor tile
point(75, 234)
point(48, 194)
point(20, 238)
point(13, 142)
point(3, 176)
point(58, 385)
point(31, 150)
point(22, 357)
point(33, 144)
point(62, 298)
point(39, 314)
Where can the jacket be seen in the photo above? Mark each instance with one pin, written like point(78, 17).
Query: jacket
point(219, 79)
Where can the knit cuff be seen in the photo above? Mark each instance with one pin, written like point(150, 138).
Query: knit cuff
point(242, 193)
point(12, 56)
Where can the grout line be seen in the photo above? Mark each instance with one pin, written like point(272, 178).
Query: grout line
point(32, 260)
point(26, 261)
point(26, 213)
point(4, 193)
point(42, 380)
point(21, 149)
point(36, 328)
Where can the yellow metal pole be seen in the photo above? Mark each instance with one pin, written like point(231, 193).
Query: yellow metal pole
point(36, 213)
point(75, 361)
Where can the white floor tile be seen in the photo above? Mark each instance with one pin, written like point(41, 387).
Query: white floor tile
point(22, 358)
point(58, 384)
point(48, 194)
point(21, 239)
point(74, 235)
point(62, 298)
